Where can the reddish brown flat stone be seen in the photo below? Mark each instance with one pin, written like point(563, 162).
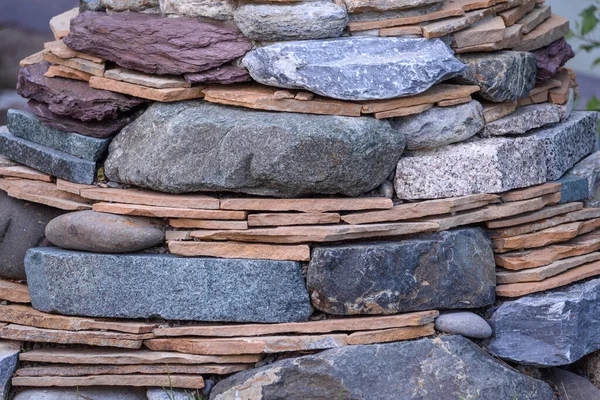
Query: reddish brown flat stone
point(143, 92)
point(450, 103)
point(531, 192)
point(207, 224)
point(62, 71)
point(307, 205)
point(289, 219)
point(167, 212)
point(176, 381)
point(404, 111)
point(85, 370)
point(449, 9)
point(511, 16)
point(43, 193)
point(390, 335)
point(240, 250)
point(547, 32)
point(326, 326)
point(401, 30)
point(14, 292)
point(71, 187)
point(150, 198)
point(546, 212)
point(25, 173)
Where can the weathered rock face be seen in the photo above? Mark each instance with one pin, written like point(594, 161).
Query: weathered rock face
point(523, 120)
point(23, 225)
point(213, 9)
point(90, 5)
point(198, 289)
point(176, 46)
point(72, 98)
point(296, 21)
point(463, 323)
point(441, 126)
point(421, 369)
point(502, 76)
point(551, 58)
point(590, 365)
point(361, 6)
point(129, 5)
point(572, 386)
point(452, 269)
point(93, 393)
point(224, 75)
point(556, 327)
point(97, 129)
point(356, 68)
point(194, 146)
point(9, 356)
point(104, 233)
point(588, 169)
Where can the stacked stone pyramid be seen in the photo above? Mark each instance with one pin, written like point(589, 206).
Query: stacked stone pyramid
point(286, 199)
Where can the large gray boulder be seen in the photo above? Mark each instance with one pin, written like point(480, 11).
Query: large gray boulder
point(551, 328)
point(195, 146)
point(445, 270)
point(153, 285)
point(450, 367)
point(295, 21)
point(355, 68)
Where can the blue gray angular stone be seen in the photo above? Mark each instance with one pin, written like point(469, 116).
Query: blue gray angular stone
point(441, 126)
point(164, 286)
point(572, 386)
point(104, 233)
point(27, 126)
point(354, 68)
point(573, 188)
point(502, 76)
point(293, 21)
point(194, 146)
point(45, 159)
point(588, 169)
point(551, 328)
point(82, 393)
point(445, 368)
point(445, 270)
point(464, 323)
point(9, 357)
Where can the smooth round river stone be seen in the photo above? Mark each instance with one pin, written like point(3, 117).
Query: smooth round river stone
point(463, 323)
point(104, 233)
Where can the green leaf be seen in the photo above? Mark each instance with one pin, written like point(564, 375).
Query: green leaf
point(596, 62)
point(593, 104)
point(589, 21)
point(588, 47)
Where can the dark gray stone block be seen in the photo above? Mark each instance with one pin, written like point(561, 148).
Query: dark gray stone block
point(45, 159)
point(574, 188)
point(551, 328)
point(445, 368)
point(145, 285)
point(26, 126)
point(445, 270)
point(9, 356)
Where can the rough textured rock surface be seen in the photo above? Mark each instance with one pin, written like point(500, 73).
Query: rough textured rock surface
point(523, 120)
point(22, 224)
point(572, 386)
point(294, 21)
point(478, 166)
point(551, 328)
point(590, 365)
point(421, 369)
point(176, 46)
point(9, 356)
point(92, 393)
point(27, 126)
point(129, 5)
point(104, 233)
point(356, 68)
point(441, 126)
point(224, 75)
point(90, 5)
point(71, 98)
point(551, 58)
point(502, 76)
point(446, 270)
point(198, 289)
point(98, 129)
point(573, 188)
point(464, 323)
point(175, 394)
point(589, 169)
point(361, 6)
point(212, 9)
point(194, 146)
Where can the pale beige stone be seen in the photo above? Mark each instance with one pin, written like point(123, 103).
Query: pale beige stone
point(152, 81)
point(25, 173)
point(85, 370)
point(544, 272)
point(390, 335)
point(79, 64)
point(359, 6)
point(14, 292)
point(150, 198)
point(289, 219)
point(307, 205)
point(533, 19)
point(168, 212)
point(32, 59)
point(494, 111)
point(178, 235)
point(404, 111)
point(207, 224)
point(62, 71)
point(231, 249)
point(402, 30)
point(531, 192)
point(61, 24)
point(60, 49)
point(43, 193)
point(167, 380)
point(484, 32)
point(162, 95)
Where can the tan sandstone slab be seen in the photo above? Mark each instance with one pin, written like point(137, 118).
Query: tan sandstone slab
point(450, 103)
point(533, 19)
point(262, 98)
point(84, 370)
point(14, 292)
point(207, 224)
point(512, 37)
point(60, 49)
point(318, 233)
point(96, 356)
point(560, 95)
point(494, 111)
point(151, 81)
point(290, 219)
point(24, 315)
point(80, 64)
point(513, 15)
point(547, 271)
point(556, 234)
point(248, 345)
point(390, 335)
point(25, 173)
point(404, 111)
point(426, 208)
point(326, 326)
point(168, 212)
point(401, 30)
point(70, 187)
point(240, 250)
point(546, 212)
point(176, 381)
point(61, 24)
point(450, 25)
point(538, 257)
point(566, 278)
point(91, 338)
point(531, 192)
point(444, 12)
point(483, 32)
point(550, 30)
point(162, 95)
point(62, 71)
point(150, 198)
point(307, 205)
point(32, 59)
point(43, 193)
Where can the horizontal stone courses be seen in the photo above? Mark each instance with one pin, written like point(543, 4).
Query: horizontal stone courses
point(207, 223)
point(148, 198)
point(162, 95)
point(138, 380)
point(25, 173)
point(307, 205)
point(167, 212)
point(43, 193)
point(84, 370)
point(289, 219)
point(531, 192)
point(239, 250)
point(546, 212)
point(14, 292)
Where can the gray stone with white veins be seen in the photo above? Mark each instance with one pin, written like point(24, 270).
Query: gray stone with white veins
point(354, 68)
point(464, 323)
point(441, 126)
point(212, 9)
point(295, 21)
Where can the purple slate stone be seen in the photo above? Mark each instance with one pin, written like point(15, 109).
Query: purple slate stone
point(551, 58)
point(154, 44)
point(72, 98)
point(225, 75)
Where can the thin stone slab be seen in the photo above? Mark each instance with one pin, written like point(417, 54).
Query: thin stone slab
point(9, 357)
point(207, 224)
point(62, 71)
point(84, 370)
point(546, 212)
point(388, 66)
point(486, 31)
point(533, 19)
point(390, 335)
point(514, 14)
point(550, 30)
point(531, 192)
point(14, 292)
point(526, 329)
point(167, 212)
point(80, 64)
point(45, 159)
point(289, 219)
point(27, 126)
point(240, 250)
point(307, 205)
point(176, 46)
point(523, 120)
point(60, 49)
point(152, 81)
point(60, 24)
point(494, 111)
point(149, 198)
point(43, 193)
point(360, 6)
point(144, 92)
point(137, 380)
point(97, 356)
point(25, 173)
point(200, 289)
